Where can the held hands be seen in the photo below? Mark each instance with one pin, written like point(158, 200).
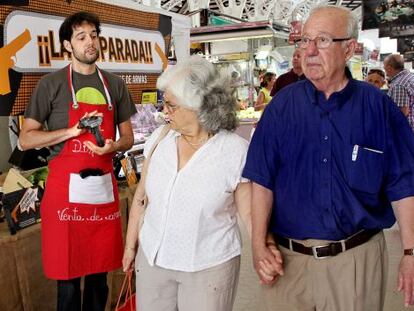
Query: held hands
point(268, 263)
point(406, 279)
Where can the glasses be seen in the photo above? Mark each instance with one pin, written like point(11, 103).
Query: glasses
point(321, 42)
point(170, 108)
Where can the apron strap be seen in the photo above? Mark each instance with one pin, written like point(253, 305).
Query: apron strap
point(75, 104)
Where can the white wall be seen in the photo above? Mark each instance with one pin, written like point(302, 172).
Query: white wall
point(372, 41)
point(229, 47)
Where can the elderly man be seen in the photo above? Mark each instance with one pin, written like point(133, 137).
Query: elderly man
point(401, 88)
point(294, 75)
point(326, 165)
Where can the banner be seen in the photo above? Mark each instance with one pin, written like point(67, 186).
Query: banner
point(295, 31)
point(392, 18)
point(371, 12)
point(374, 55)
point(405, 45)
point(133, 44)
point(359, 48)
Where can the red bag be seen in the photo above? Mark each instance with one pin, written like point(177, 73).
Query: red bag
point(129, 303)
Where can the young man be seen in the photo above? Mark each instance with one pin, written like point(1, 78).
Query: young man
point(81, 227)
point(326, 165)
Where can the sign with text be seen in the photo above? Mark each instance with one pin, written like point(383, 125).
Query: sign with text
point(122, 48)
point(133, 45)
point(295, 31)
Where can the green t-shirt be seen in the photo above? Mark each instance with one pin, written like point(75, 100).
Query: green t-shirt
point(50, 100)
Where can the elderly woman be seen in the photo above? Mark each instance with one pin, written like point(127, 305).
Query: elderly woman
point(189, 246)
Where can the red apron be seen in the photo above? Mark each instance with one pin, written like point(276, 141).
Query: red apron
point(81, 225)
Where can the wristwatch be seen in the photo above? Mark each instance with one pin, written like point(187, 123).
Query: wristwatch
point(409, 251)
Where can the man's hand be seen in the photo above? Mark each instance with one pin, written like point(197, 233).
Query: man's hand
point(406, 279)
point(268, 263)
point(269, 271)
point(33, 135)
point(110, 146)
point(76, 131)
point(404, 212)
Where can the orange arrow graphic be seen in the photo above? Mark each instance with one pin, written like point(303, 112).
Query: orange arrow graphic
point(6, 62)
point(160, 52)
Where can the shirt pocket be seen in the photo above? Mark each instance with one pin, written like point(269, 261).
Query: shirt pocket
point(365, 169)
point(91, 190)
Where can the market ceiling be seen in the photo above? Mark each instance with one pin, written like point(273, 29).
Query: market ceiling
point(279, 11)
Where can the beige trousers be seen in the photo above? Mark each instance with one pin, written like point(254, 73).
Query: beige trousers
point(351, 281)
point(212, 289)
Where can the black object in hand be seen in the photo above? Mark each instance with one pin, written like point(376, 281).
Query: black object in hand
point(90, 172)
point(92, 124)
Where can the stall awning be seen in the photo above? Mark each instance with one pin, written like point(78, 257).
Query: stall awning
point(247, 30)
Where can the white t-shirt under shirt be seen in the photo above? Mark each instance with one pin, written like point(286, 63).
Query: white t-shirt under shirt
point(190, 223)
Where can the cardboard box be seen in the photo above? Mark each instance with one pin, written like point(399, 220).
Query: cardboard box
point(22, 208)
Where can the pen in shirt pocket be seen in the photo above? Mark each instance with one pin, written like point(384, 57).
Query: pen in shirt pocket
point(373, 150)
point(356, 149)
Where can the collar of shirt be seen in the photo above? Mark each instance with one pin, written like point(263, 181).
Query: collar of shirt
point(339, 98)
point(296, 76)
point(398, 75)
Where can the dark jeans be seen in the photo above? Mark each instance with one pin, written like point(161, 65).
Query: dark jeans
point(95, 293)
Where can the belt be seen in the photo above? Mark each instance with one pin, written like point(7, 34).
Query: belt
point(331, 249)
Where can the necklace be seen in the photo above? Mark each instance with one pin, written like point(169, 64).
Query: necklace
point(199, 143)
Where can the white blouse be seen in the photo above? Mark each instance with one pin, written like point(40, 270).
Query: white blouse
point(190, 223)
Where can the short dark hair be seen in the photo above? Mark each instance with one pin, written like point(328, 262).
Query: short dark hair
point(268, 76)
point(377, 71)
point(76, 19)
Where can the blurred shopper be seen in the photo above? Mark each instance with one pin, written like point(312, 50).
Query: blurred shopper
point(401, 85)
point(81, 225)
point(329, 159)
point(189, 246)
point(376, 77)
point(266, 86)
point(294, 75)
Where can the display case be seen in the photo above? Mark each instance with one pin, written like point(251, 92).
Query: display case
point(144, 122)
point(241, 79)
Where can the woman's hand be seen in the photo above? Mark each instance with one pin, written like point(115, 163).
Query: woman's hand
point(128, 261)
point(271, 272)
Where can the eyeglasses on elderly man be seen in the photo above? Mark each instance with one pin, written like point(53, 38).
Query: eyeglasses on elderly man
point(321, 42)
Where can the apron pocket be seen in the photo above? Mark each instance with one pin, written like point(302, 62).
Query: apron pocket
point(91, 190)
